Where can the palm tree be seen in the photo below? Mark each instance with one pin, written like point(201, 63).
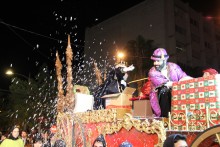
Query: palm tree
point(139, 52)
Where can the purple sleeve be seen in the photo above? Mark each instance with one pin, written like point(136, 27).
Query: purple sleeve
point(154, 103)
point(156, 77)
point(176, 73)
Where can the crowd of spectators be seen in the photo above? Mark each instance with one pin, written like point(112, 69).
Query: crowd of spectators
point(22, 138)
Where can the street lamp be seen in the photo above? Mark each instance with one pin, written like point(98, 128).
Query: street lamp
point(10, 73)
point(120, 56)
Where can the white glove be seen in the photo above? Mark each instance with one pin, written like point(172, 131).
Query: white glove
point(169, 84)
point(123, 83)
point(125, 77)
point(130, 68)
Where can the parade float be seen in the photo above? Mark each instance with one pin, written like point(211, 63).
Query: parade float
point(195, 108)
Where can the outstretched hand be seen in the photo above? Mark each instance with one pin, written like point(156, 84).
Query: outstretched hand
point(129, 68)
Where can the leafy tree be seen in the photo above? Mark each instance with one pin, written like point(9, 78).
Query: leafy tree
point(3, 109)
point(32, 100)
point(139, 52)
point(18, 106)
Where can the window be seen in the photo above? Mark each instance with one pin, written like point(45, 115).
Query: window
point(195, 38)
point(180, 47)
point(217, 37)
point(180, 30)
point(179, 12)
point(208, 45)
point(194, 22)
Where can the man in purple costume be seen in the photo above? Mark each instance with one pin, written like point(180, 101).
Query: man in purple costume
point(162, 75)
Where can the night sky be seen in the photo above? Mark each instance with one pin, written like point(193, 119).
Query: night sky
point(31, 31)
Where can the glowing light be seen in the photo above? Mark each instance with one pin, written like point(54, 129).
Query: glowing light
point(9, 72)
point(120, 55)
point(209, 17)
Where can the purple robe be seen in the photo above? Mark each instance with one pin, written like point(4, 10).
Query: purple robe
point(174, 72)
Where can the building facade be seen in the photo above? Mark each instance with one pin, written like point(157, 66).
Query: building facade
point(189, 37)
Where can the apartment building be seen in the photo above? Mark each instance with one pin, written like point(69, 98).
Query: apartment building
point(190, 38)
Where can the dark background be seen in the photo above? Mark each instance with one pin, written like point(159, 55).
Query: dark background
point(31, 31)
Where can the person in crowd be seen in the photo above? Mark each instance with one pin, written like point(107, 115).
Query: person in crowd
point(114, 83)
point(175, 140)
point(25, 138)
point(52, 138)
point(46, 139)
point(3, 137)
point(209, 71)
point(59, 143)
point(162, 75)
point(126, 144)
point(99, 141)
point(37, 140)
point(13, 140)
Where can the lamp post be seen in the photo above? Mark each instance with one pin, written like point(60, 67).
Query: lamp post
point(10, 73)
point(120, 56)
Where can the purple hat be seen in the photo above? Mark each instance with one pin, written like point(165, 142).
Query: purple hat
point(160, 54)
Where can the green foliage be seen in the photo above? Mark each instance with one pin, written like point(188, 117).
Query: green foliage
point(4, 110)
point(139, 52)
point(32, 99)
